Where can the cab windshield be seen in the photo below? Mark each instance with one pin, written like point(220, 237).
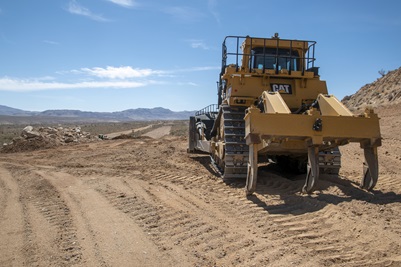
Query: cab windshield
point(272, 58)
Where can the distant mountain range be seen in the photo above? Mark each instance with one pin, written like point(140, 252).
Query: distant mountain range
point(139, 114)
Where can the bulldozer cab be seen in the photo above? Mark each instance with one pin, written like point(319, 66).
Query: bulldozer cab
point(252, 65)
point(268, 54)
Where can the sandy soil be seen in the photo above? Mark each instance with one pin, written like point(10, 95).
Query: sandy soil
point(146, 202)
point(159, 132)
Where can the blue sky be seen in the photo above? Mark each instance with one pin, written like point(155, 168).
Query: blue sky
point(112, 55)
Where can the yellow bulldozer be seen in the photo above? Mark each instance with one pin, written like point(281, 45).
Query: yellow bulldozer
point(272, 106)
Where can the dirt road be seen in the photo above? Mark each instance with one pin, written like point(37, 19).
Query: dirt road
point(146, 202)
point(128, 132)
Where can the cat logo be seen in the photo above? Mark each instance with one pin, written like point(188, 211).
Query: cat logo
point(281, 88)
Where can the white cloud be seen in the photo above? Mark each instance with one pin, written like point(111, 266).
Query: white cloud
point(184, 13)
point(97, 77)
point(188, 83)
point(212, 5)
point(45, 78)
point(123, 3)
point(75, 8)
point(21, 85)
point(127, 72)
point(198, 44)
point(119, 72)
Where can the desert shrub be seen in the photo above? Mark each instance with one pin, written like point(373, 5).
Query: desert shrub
point(179, 128)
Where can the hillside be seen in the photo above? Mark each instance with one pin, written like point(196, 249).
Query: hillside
point(8, 111)
point(382, 92)
point(8, 114)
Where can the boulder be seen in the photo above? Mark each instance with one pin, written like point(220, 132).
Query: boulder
point(28, 132)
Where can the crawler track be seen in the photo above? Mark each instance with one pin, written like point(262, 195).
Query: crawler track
point(236, 150)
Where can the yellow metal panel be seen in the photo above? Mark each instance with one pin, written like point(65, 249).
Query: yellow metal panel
point(296, 126)
point(330, 106)
point(260, 42)
point(274, 103)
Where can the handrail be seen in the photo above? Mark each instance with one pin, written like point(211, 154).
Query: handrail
point(213, 108)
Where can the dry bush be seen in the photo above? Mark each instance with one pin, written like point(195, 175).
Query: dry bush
point(180, 128)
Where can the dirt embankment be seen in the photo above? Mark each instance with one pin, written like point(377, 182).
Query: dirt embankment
point(383, 92)
point(146, 202)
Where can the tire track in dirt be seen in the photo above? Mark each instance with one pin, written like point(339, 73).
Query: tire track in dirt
point(24, 249)
point(45, 211)
point(103, 229)
point(218, 237)
point(143, 213)
point(11, 221)
point(309, 223)
point(322, 218)
point(255, 215)
point(4, 195)
point(91, 254)
point(303, 222)
point(390, 183)
point(232, 207)
point(176, 220)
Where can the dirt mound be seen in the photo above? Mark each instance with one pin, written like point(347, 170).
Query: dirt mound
point(46, 137)
point(384, 91)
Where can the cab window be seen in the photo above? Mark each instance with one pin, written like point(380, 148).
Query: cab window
point(272, 58)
